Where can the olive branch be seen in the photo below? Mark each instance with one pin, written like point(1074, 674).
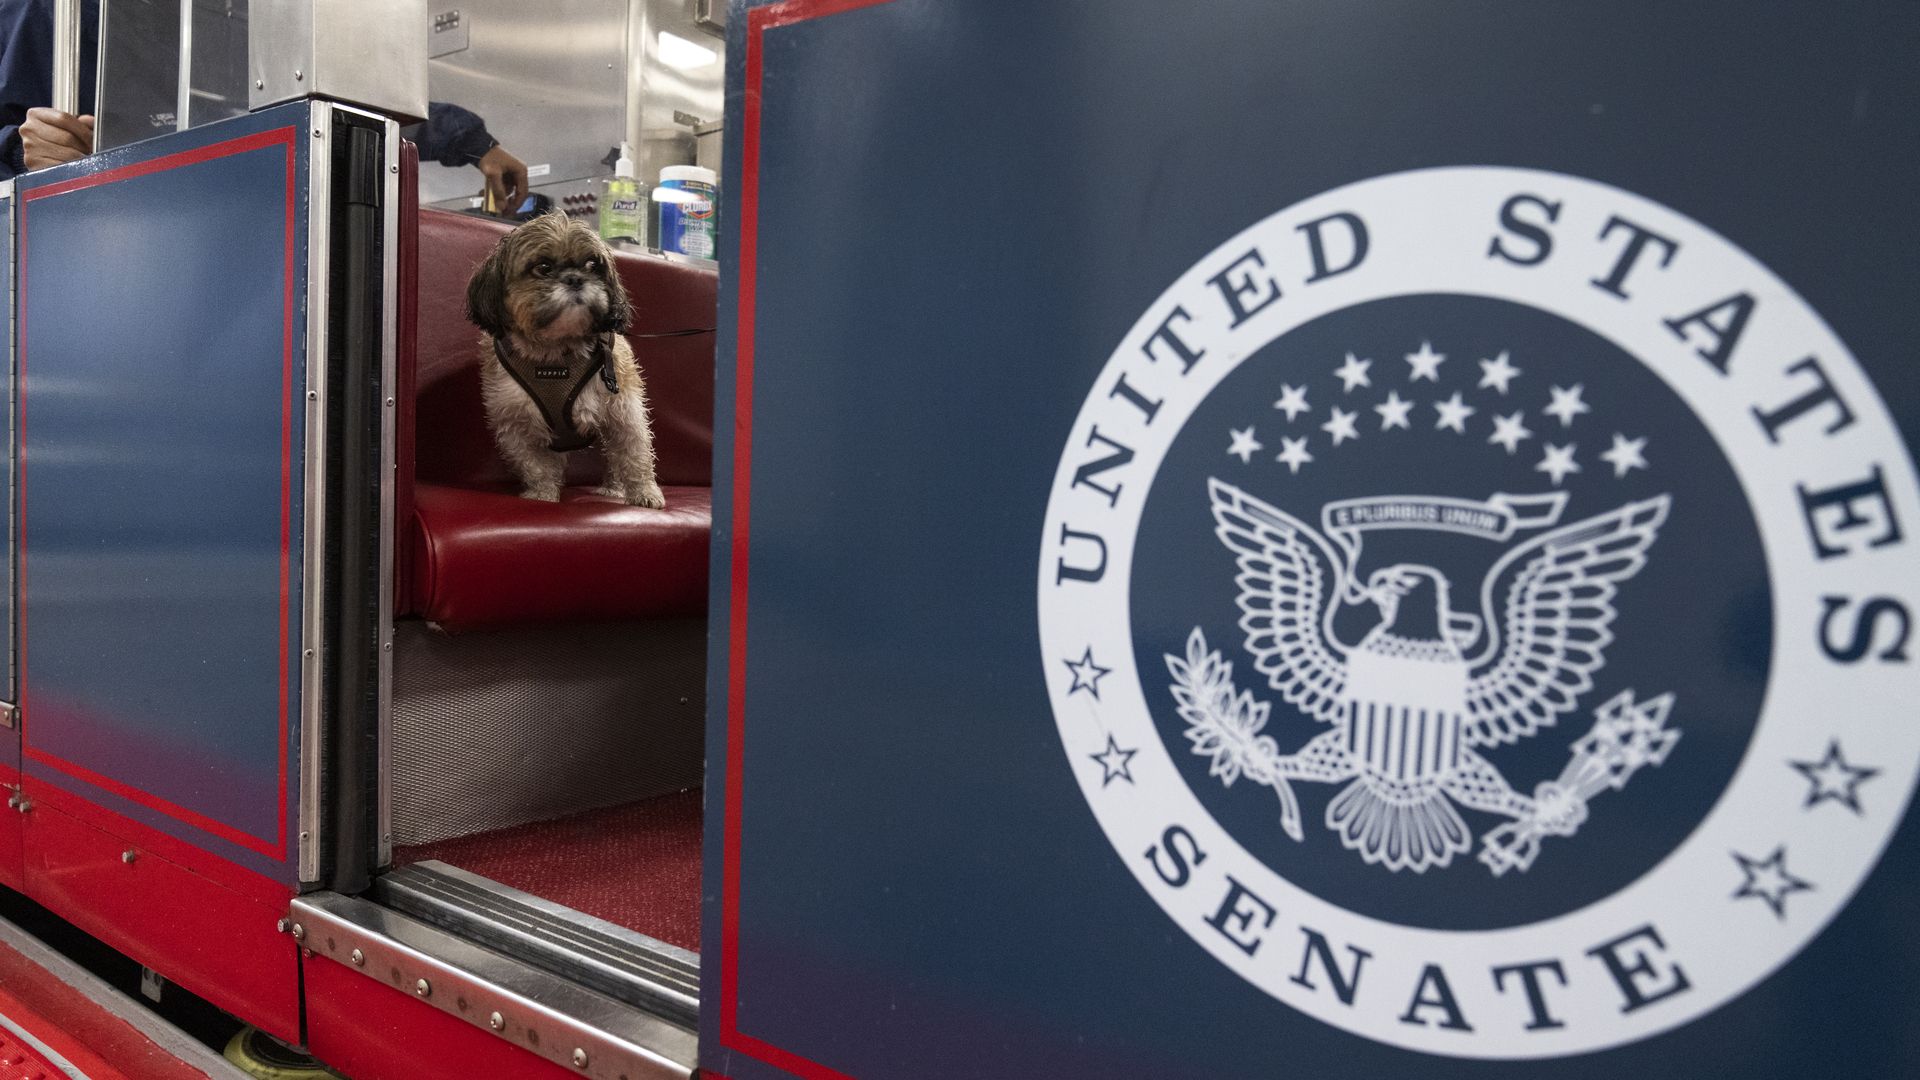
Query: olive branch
point(1224, 725)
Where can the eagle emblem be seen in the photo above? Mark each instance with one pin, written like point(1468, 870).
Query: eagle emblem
point(1417, 701)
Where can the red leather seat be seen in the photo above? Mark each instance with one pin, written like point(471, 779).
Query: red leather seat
point(473, 554)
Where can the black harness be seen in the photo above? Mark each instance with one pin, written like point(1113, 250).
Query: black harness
point(555, 387)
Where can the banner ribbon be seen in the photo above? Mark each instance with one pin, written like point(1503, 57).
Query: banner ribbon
point(1498, 517)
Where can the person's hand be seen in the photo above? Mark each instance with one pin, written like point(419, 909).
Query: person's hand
point(50, 137)
point(506, 179)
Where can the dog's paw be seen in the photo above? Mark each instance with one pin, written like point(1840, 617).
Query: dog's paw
point(648, 496)
point(541, 494)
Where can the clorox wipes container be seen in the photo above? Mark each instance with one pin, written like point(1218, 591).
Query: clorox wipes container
point(689, 211)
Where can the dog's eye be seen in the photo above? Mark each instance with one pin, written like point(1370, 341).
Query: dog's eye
point(542, 268)
point(593, 266)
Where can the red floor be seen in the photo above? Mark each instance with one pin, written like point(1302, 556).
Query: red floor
point(636, 865)
point(65, 1020)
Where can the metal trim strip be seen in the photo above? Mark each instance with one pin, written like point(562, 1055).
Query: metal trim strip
point(642, 971)
point(313, 727)
point(541, 1013)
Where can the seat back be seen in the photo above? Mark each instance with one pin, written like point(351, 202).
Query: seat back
point(451, 443)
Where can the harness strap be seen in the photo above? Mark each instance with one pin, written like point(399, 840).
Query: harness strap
point(555, 387)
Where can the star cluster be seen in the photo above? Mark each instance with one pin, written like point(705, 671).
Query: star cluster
point(1497, 410)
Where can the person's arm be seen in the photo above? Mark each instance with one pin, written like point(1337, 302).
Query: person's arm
point(50, 137)
point(26, 75)
point(33, 136)
point(454, 136)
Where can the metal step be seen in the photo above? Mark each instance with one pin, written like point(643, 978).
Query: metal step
point(631, 967)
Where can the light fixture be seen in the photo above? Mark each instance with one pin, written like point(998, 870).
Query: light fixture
point(676, 51)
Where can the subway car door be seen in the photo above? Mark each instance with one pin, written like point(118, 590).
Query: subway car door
point(1315, 539)
point(204, 331)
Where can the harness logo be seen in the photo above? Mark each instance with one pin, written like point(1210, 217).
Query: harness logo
point(1542, 558)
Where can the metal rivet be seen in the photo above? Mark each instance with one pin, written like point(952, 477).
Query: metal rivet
point(388, 647)
point(423, 988)
point(496, 1021)
point(128, 856)
point(298, 75)
point(259, 84)
point(308, 653)
point(389, 403)
point(281, 926)
point(299, 932)
point(579, 1058)
point(308, 953)
point(393, 168)
point(303, 835)
point(317, 133)
point(359, 958)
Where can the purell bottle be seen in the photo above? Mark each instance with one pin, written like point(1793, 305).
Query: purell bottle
point(621, 219)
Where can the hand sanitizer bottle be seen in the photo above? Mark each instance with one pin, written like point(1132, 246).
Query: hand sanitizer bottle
point(621, 218)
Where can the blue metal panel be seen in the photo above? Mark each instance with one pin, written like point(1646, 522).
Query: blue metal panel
point(954, 258)
point(6, 422)
point(162, 316)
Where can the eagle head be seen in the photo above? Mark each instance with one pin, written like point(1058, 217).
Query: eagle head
point(1412, 600)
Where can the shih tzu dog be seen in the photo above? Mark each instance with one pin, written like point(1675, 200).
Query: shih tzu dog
point(555, 373)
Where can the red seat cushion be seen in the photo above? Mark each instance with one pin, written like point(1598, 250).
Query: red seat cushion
point(485, 557)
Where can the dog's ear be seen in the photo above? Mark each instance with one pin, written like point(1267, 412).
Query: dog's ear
point(619, 311)
point(487, 292)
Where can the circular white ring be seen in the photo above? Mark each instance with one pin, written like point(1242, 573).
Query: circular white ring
point(1430, 232)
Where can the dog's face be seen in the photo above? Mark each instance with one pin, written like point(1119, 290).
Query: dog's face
point(549, 280)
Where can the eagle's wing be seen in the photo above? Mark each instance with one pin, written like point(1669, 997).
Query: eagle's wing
point(1556, 622)
point(1283, 598)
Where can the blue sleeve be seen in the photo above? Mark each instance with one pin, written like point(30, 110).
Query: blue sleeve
point(26, 69)
point(451, 135)
point(26, 73)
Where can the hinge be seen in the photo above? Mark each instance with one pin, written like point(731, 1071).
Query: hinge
point(9, 714)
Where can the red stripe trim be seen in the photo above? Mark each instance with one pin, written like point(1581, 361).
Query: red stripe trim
point(285, 137)
point(182, 853)
point(742, 489)
point(275, 137)
point(154, 802)
point(759, 21)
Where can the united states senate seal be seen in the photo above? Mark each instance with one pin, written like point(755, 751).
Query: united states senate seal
point(1476, 605)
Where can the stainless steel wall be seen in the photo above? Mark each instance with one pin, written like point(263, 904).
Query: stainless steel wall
point(560, 84)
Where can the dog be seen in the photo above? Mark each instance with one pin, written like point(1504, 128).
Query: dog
point(555, 372)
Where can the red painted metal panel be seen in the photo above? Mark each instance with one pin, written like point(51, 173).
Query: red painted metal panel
point(371, 1031)
point(12, 854)
point(256, 887)
point(218, 943)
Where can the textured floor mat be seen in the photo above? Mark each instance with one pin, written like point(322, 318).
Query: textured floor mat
point(636, 865)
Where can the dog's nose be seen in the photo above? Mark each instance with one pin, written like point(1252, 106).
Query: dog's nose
point(573, 280)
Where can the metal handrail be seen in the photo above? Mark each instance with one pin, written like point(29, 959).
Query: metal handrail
point(66, 55)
